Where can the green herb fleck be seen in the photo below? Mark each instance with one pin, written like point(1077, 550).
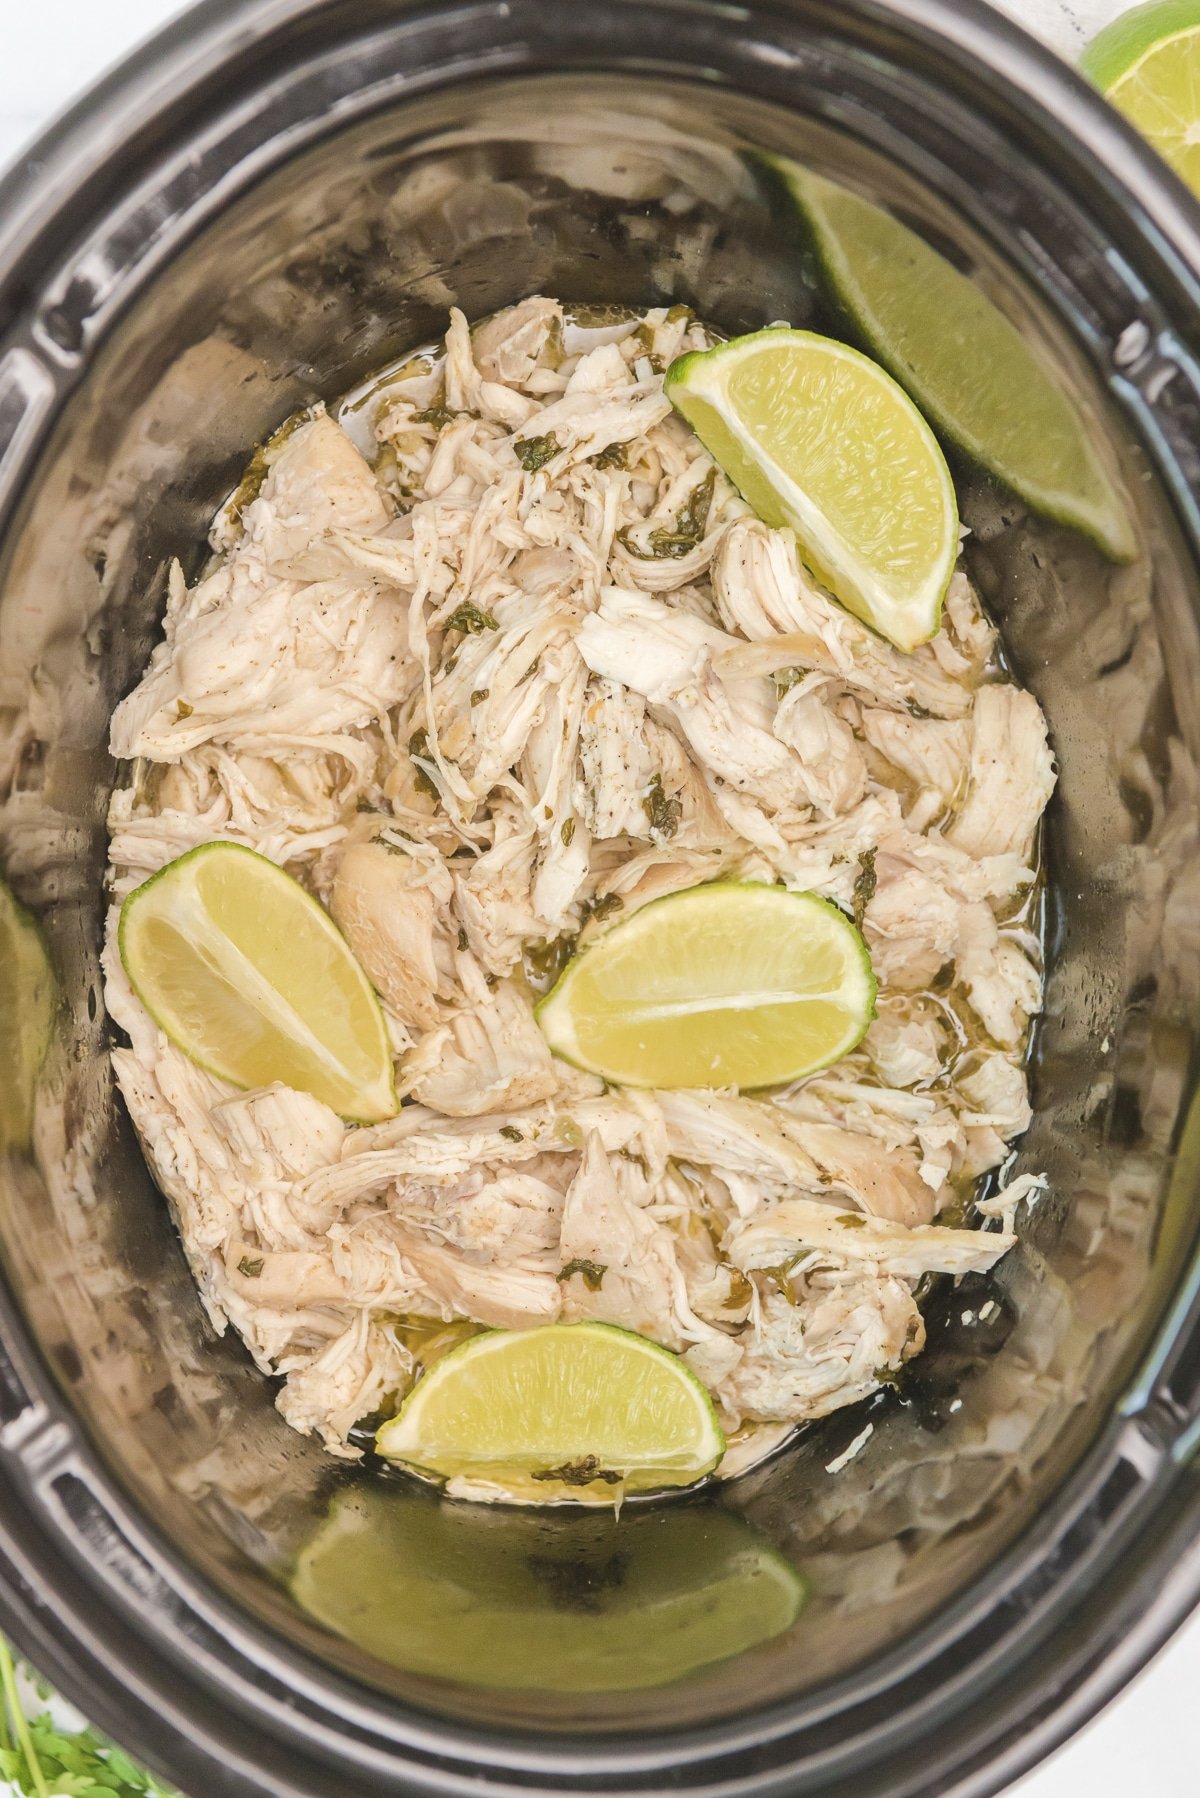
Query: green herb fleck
point(534, 452)
point(740, 1290)
point(418, 749)
point(786, 679)
point(614, 455)
point(690, 524)
point(463, 941)
point(469, 618)
point(590, 1272)
point(441, 416)
point(567, 831)
point(851, 1220)
point(512, 1133)
point(865, 885)
point(603, 906)
point(581, 1473)
point(183, 710)
point(545, 961)
point(780, 1274)
point(479, 695)
point(663, 810)
point(251, 1266)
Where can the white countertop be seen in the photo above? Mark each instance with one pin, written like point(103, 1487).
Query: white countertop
point(1147, 1744)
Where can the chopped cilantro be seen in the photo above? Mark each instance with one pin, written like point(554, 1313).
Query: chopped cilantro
point(42, 1761)
point(590, 1272)
point(780, 1275)
point(603, 906)
point(251, 1266)
point(479, 695)
point(418, 749)
point(567, 831)
point(786, 679)
point(613, 455)
point(469, 618)
point(545, 961)
point(534, 452)
point(581, 1473)
point(864, 886)
point(512, 1133)
point(689, 525)
point(663, 810)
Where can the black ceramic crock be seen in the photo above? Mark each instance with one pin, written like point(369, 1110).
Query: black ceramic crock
point(264, 203)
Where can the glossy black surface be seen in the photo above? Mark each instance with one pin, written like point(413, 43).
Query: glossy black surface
point(268, 202)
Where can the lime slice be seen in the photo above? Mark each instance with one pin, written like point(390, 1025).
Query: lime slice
point(27, 994)
point(251, 978)
point(967, 367)
point(818, 437)
point(582, 1411)
point(730, 984)
point(1148, 64)
point(546, 1601)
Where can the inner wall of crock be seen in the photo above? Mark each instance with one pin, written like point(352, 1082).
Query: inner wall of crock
point(592, 190)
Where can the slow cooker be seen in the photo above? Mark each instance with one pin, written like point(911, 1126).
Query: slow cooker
point(271, 199)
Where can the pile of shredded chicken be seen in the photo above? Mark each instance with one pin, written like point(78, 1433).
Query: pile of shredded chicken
point(525, 664)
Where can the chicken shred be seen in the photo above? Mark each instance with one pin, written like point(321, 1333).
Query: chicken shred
point(487, 664)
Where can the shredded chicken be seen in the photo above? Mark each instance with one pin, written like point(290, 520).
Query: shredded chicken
point(488, 660)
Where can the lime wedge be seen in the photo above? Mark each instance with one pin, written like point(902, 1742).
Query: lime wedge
point(251, 978)
point(730, 984)
point(546, 1601)
point(583, 1411)
point(966, 366)
point(1148, 64)
point(818, 437)
point(27, 994)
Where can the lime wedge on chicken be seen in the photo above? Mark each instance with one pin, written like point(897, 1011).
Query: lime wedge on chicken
point(579, 1411)
point(730, 984)
point(248, 975)
point(818, 437)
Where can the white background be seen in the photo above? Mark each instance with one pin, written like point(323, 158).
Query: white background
point(1147, 1745)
